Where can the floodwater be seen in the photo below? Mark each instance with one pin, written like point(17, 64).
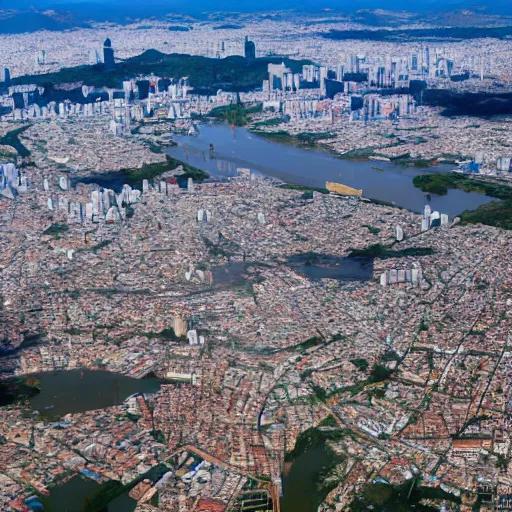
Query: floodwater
point(300, 492)
point(78, 491)
point(76, 391)
point(239, 148)
point(231, 274)
point(318, 267)
point(73, 496)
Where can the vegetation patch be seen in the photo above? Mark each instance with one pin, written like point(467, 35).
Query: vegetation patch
point(166, 334)
point(235, 114)
point(419, 34)
point(18, 390)
point(135, 176)
point(275, 121)
point(328, 421)
point(495, 213)
point(373, 230)
point(304, 188)
point(56, 229)
point(12, 139)
point(440, 183)
point(298, 140)
point(313, 437)
point(360, 363)
point(383, 252)
point(419, 163)
point(405, 497)
point(207, 75)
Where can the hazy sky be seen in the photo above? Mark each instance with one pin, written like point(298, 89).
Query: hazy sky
point(255, 5)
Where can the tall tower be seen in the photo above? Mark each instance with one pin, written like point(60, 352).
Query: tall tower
point(108, 54)
point(5, 76)
point(250, 49)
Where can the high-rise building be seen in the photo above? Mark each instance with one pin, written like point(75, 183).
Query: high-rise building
point(94, 57)
point(108, 54)
point(40, 58)
point(5, 75)
point(250, 49)
point(333, 87)
point(276, 75)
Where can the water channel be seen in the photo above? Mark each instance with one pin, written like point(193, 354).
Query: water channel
point(239, 148)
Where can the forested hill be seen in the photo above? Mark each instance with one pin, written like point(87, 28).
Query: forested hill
point(231, 74)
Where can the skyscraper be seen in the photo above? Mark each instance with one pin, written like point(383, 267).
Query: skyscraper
point(250, 49)
point(108, 54)
point(5, 75)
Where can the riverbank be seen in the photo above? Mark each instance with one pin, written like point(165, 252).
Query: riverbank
point(81, 493)
point(135, 176)
point(19, 389)
point(495, 213)
point(303, 139)
point(320, 140)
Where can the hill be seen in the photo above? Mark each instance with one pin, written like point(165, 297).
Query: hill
point(19, 22)
point(232, 73)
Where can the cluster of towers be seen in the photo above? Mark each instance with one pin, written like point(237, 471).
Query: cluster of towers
point(432, 219)
point(249, 49)
point(12, 181)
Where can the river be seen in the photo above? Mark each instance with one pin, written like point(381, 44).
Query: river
point(239, 148)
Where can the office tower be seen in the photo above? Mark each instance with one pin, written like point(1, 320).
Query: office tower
point(18, 99)
point(414, 63)
point(360, 59)
point(143, 88)
point(323, 78)
point(94, 57)
point(40, 58)
point(5, 76)
point(250, 49)
point(352, 64)
point(108, 54)
point(276, 74)
point(333, 87)
point(356, 102)
point(308, 72)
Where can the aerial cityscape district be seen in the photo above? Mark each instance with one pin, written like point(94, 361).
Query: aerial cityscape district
point(255, 261)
